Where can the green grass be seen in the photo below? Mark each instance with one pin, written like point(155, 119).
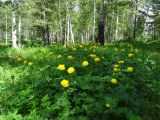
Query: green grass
point(35, 93)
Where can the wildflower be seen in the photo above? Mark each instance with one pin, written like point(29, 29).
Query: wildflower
point(92, 55)
point(70, 70)
point(116, 49)
point(30, 63)
point(115, 66)
point(130, 55)
point(50, 53)
point(120, 62)
point(25, 62)
point(70, 57)
point(19, 59)
point(114, 81)
point(123, 50)
point(130, 69)
point(85, 63)
point(97, 59)
point(74, 49)
point(59, 56)
point(61, 67)
point(65, 83)
point(115, 69)
point(64, 47)
point(81, 46)
point(94, 50)
point(108, 105)
point(94, 47)
point(136, 50)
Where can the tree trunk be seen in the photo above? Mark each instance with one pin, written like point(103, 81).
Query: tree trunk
point(101, 24)
point(19, 29)
point(116, 32)
point(94, 22)
point(6, 29)
point(14, 26)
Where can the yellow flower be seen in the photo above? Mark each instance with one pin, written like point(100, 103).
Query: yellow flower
point(30, 64)
point(85, 63)
point(81, 46)
point(120, 62)
point(130, 69)
point(115, 69)
point(123, 50)
point(116, 49)
point(59, 56)
point(65, 83)
point(74, 49)
point(108, 105)
point(92, 55)
point(94, 47)
point(94, 50)
point(70, 57)
point(64, 47)
point(19, 59)
point(115, 66)
point(130, 55)
point(61, 67)
point(136, 50)
point(50, 53)
point(114, 81)
point(25, 62)
point(97, 59)
point(70, 70)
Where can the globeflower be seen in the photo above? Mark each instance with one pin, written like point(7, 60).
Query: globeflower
point(94, 47)
point(120, 62)
point(61, 67)
point(108, 105)
point(136, 50)
point(97, 59)
point(92, 55)
point(50, 53)
point(70, 57)
point(115, 69)
point(25, 62)
point(30, 63)
point(130, 69)
point(81, 46)
point(59, 56)
point(65, 83)
point(114, 81)
point(19, 59)
point(116, 66)
point(70, 70)
point(130, 55)
point(94, 50)
point(85, 63)
point(74, 49)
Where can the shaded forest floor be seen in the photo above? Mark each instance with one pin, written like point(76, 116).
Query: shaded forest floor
point(120, 81)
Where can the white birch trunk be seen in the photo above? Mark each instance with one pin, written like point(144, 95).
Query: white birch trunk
point(116, 32)
point(14, 30)
point(19, 29)
point(72, 34)
point(82, 40)
point(94, 21)
point(67, 23)
point(6, 29)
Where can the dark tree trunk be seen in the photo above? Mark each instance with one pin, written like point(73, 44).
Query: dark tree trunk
point(43, 28)
point(47, 34)
point(101, 24)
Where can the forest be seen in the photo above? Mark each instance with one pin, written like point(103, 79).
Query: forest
point(79, 59)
